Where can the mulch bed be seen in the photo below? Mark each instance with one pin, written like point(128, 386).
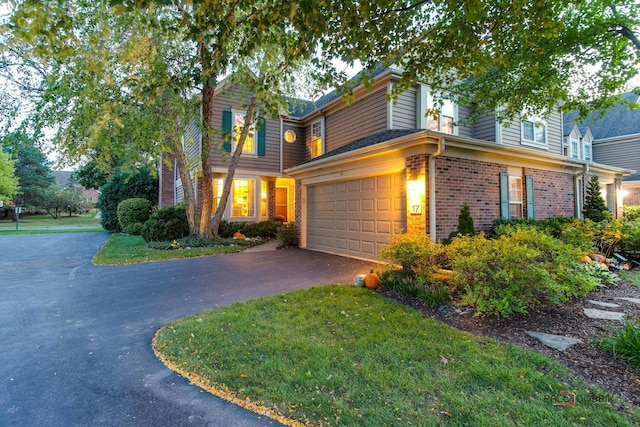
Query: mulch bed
point(612, 374)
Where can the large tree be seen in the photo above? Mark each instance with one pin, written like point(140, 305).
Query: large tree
point(33, 170)
point(8, 179)
point(150, 58)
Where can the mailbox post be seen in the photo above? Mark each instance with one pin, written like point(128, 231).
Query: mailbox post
point(18, 212)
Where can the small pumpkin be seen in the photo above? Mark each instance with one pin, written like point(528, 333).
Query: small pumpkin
point(585, 259)
point(238, 235)
point(372, 280)
point(598, 258)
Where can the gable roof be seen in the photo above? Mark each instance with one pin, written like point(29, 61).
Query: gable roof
point(367, 141)
point(618, 121)
point(299, 108)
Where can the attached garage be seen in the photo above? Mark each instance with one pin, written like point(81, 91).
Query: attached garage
point(355, 217)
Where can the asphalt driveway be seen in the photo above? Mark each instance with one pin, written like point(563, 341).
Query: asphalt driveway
point(75, 338)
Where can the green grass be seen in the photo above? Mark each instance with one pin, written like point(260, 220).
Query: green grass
point(631, 277)
point(126, 249)
point(46, 224)
point(340, 355)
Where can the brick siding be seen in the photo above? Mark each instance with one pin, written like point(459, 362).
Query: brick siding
point(554, 193)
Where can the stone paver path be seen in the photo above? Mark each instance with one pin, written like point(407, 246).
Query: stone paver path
point(602, 314)
point(561, 343)
point(558, 342)
point(603, 304)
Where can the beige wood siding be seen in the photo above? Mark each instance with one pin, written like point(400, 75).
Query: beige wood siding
point(295, 153)
point(362, 118)
point(485, 128)
point(234, 99)
point(464, 130)
point(355, 217)
point(511, 134)
point(404, 110)
point(625, 154)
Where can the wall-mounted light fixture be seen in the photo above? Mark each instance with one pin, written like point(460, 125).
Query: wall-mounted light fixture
point(290, 136)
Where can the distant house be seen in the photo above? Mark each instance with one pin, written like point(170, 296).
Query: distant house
point(88, 195)
point(612, 139)
point(350, 175)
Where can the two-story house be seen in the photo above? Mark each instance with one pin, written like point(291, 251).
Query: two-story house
point(352, 174)
point(612, 138)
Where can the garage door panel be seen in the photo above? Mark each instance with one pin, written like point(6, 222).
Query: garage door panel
point(368, 226)
point(384, 227)
point(355, 217)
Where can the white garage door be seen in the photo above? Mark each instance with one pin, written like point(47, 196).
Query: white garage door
point(355, 217)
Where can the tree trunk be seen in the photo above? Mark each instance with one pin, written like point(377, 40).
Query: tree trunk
point(205, 157)
point(249, 119)
point(189, 196)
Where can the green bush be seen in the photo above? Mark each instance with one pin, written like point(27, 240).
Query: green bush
point(520, 268)
point(265, 229)
point(631, 213)
point(595, 207)
point(287, 235)
point(166, 224)
point(630, 241)
point(125, 186)
point(625, 342)
point(197, 242)
point(415, 252)
point(465, 224)
point(133, 213)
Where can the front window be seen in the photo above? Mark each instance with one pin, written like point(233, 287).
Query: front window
point(534, 129)
point(441, 118)
point(587, 152)
point(243, 198)
point(217, 193)
point(575, 150)
point(263, 198)
point(317, 138)
point(238, 123)
point(515, 197)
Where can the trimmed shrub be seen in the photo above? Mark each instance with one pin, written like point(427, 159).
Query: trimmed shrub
point(133, 213)
point(631, 213)
point(630, 241)
point(595, 207)
point(166, 224)
point(288, 235)
point(125, 186)
point(415, 252)
point(266, 229)
point(465, 225)
point(521, 268)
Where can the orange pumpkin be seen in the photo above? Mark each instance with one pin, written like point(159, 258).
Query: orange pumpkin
point(372, 280)
point(585, 259)
point(238, 235)
point(599, 258)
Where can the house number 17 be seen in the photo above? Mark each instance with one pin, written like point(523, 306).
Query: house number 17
point(416, 209)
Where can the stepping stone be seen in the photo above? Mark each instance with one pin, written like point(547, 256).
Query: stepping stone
point(604, 315)
point(603, 304)
point(554, 341)
point(633, 300)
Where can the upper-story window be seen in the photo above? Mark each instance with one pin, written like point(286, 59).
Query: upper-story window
point(317, 138)
point(587, 151)
point(534, 129)
point(441, 117)
point(574, 146)
point(238, 123)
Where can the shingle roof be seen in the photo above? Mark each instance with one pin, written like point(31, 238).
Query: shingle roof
point(619, 120)
point(631, 178)
point(367, 141)
point(300, 108)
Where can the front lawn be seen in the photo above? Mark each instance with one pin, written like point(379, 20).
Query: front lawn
point(340, 355)
point(127, 249)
